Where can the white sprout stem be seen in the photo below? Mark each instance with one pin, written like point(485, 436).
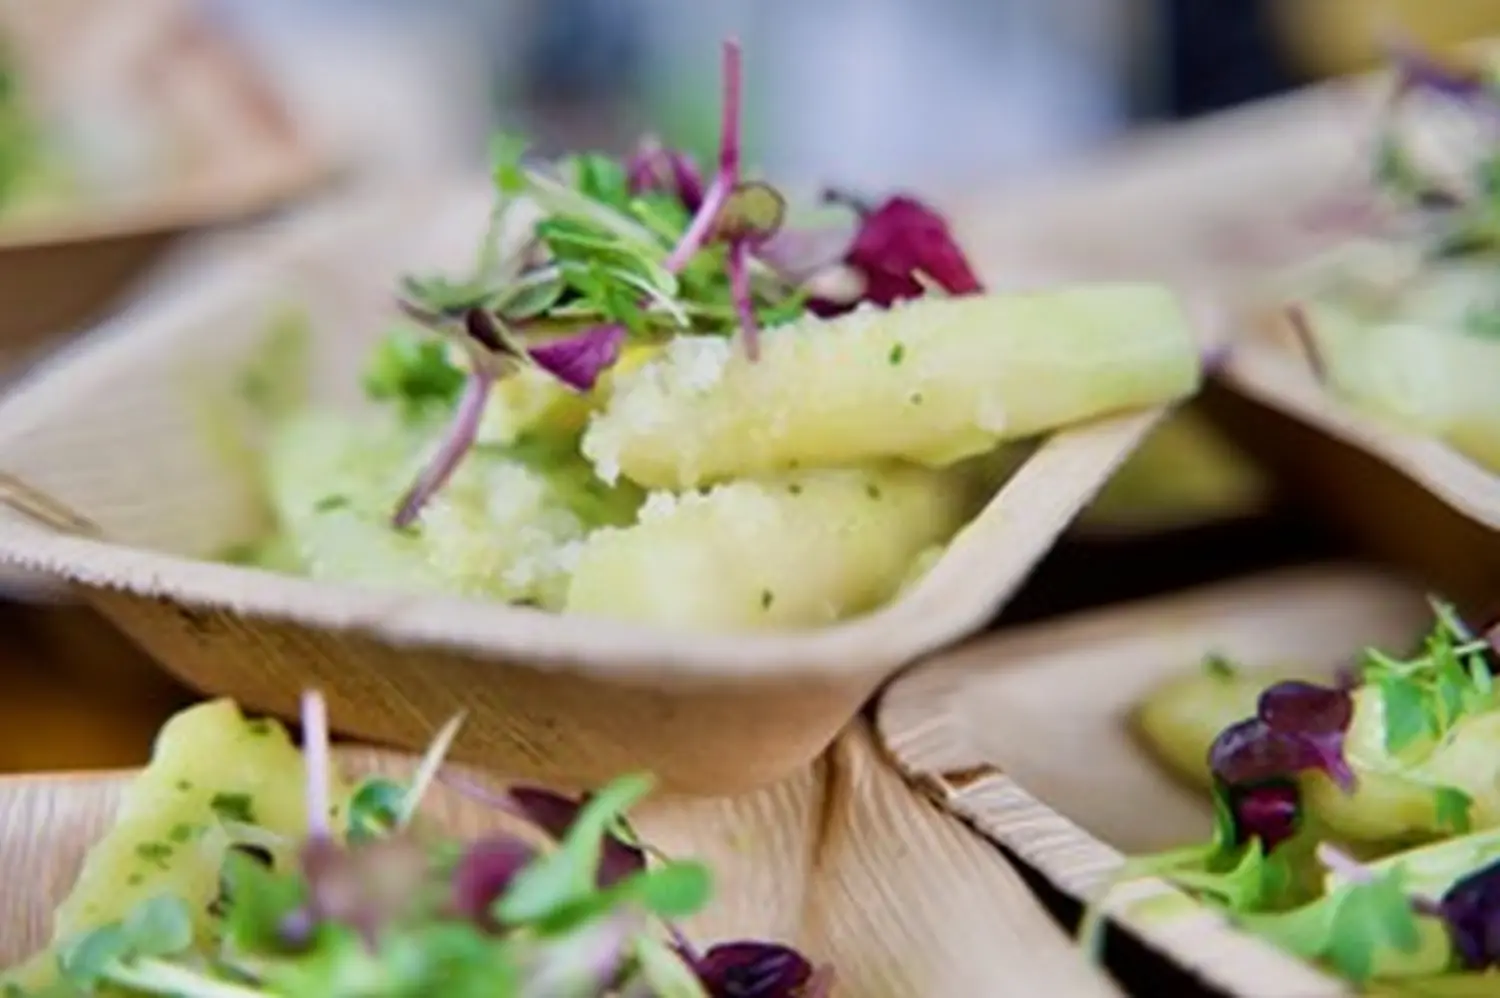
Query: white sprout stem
point(427, 770)
point(315, 758)
point(1339, 862)
point(159, 977)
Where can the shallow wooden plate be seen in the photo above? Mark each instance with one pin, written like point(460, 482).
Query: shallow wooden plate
point(843, 860)
point(1025, 736)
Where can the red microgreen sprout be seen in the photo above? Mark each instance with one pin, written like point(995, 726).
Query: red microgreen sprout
point(901, 248)
point(655, 168)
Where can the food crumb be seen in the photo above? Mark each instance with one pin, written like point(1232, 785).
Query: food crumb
point(766, 599)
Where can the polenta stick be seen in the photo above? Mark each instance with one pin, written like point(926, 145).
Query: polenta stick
point(930, 382)
point(794, 551)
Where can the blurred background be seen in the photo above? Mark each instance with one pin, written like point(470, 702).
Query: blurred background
point(870, 92)
point(938, 96)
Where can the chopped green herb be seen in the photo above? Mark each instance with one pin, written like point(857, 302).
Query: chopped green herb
point(872, 490)
point(795, 488)
point(766, 599)
point(1219, 667)
point(329, 503)
point(898, 354)
point(234, 807)
point(1452, 807)
point(155, 853)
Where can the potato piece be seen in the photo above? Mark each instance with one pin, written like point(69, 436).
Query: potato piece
point(499, 528)
point(797, 551)
point(209, 763)
point(1410, 359)
point(531, 402)
point(931, 381)
point(1396, 799)
point(1179, 720)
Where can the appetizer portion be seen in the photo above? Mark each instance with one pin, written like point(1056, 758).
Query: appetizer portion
point(240, 867)
point(1395, 764)
point(657, 398)
point(1403, 322)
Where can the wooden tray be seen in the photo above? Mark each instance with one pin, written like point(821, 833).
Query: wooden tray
point(549, 697)
point(841, 860)
point(1215, 207)
point(234, 151)
point(1024, 735)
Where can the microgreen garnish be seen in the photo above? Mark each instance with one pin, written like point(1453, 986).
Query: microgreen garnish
point(383, 911)
point(1348, 926)
point(639, 252)
point(1426, 695)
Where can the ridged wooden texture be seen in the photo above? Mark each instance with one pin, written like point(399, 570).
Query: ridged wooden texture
point(235, 151)
point(1026, 737)
point(116, 429)
point(841, 859)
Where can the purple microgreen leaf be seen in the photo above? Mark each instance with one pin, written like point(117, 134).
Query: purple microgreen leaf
point(580, 359)
point(655, 168)
point(1270, 812)
point(754, 970)
point(753, 211)
point(1419, 70)
point(457, 439)
point(1250, 752)
point(483, 874)
point(1471, 910)
point(1320, 716)
point(896, 242)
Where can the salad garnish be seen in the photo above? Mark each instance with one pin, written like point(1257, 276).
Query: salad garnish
point(1274, 865)
point(383, 904)
point(640, 251)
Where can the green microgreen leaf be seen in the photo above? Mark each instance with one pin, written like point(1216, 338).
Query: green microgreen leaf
point(414, 372)
point(506, 153)
point(1347, 927)
point(1406, 713)
point(159, 926)
point(84, 961)
point(1425, 696)
point(1219, 667)
point(665, 971)
point(375, 809)
point(257, 899)
point(1452, 809)
point(601, 178)
point(568, 873)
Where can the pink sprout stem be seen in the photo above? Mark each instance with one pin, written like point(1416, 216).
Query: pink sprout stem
point(728, 175)
point(315, 758)
point(1340, 862)
point(739, 290)
point(456, 443)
